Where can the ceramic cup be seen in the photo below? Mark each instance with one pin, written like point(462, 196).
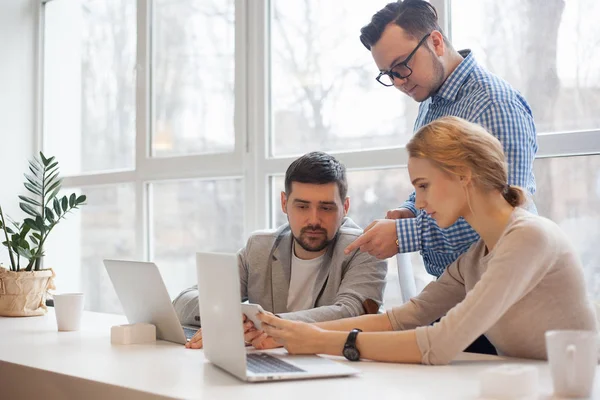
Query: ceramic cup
point(68, 308)
point(573, 356)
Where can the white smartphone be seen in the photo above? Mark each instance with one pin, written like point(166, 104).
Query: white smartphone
point(251, 311)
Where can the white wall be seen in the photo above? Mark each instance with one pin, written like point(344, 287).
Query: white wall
point(18, 37)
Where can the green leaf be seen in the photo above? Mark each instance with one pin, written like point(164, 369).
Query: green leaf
point(24, 231)
point(37, 162)
point(37, 236)
point(55, 185)
point(81, 199)
point(36, 174)
point(72, 199)
point(35, 241)
point(10, 231)
point(30, 201)
point(16, 225)
point(52, 195)
point(24, 244)
point(56, 206)
point(24, 252)
point(64, 203)
point(28, 209)
point(35, 170)
point(51, 178)
point(44, 159)
point(33, 180)
point(50, 161)
point(33, 189)
point(49, 214)
point(39, 222)
point(31, 224)
point(51, 170)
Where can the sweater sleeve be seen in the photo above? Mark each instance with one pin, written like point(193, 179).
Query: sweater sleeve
point(516, 265)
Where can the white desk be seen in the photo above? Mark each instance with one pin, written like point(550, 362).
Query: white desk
point(37, 361)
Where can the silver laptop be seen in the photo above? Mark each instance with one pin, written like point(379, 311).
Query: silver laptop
point(145, 298)
point(223, 334)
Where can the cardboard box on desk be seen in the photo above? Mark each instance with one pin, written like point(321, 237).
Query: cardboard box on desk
point(133, 333)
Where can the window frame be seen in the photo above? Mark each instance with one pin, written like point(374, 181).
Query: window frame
point(251, 158)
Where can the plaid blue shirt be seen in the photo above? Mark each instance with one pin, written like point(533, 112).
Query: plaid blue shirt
point(472, 93)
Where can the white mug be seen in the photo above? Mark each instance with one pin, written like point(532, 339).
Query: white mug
point(573, 356)
point(68, 308)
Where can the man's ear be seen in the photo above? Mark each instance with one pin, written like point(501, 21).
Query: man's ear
point(346, 205)
point(439, 46)
point(283, 202)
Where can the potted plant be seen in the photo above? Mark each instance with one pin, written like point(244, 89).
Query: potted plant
point(24, 285)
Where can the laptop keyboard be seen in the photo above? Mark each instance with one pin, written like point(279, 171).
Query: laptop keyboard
point(189, 332)
point(264, 363)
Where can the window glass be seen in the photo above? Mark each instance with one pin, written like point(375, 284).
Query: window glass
point(189, 216)
point(89, 84)
point(323, 90)
point(548, 52)
point(193, 77)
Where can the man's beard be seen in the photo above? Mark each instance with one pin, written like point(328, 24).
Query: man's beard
point(313, 244)
point(438, 74)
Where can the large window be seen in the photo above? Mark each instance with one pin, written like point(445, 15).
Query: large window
point(103, 228)
point(324, 93)
point(178, 118)
point(192, 215)
point(89, 84)
point(569, 194)
point(139, 108)
point(550, 54)
point(193, 77)
point(548, 50)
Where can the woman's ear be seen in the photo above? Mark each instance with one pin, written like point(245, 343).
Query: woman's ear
point(465, 177)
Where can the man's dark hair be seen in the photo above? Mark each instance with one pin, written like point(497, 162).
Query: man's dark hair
point(318, 168)
point(416, 17)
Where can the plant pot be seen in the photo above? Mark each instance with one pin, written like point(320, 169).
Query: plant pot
point(23, 294)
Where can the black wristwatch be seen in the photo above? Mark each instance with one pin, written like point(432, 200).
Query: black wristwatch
point(350, 350)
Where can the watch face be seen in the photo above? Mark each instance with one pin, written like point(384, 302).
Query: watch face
point(351, 354)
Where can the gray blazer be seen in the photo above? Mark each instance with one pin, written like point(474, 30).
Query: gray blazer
point(265, 270)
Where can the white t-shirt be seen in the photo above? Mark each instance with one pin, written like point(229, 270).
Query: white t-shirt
point(302, 282)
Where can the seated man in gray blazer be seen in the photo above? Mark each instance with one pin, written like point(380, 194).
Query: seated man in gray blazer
point(300, 271)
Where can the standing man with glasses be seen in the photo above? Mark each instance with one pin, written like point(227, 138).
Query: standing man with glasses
point(415, 57)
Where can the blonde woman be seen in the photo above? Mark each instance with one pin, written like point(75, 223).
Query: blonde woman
point(519, 280)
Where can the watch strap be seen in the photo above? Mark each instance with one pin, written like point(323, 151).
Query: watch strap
point(351, 340)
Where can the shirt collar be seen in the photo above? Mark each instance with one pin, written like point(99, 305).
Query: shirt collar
point(454, 82)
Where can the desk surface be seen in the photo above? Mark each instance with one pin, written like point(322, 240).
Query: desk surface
point(170, 370)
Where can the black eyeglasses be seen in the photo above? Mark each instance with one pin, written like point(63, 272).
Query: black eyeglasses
point(401, 70)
